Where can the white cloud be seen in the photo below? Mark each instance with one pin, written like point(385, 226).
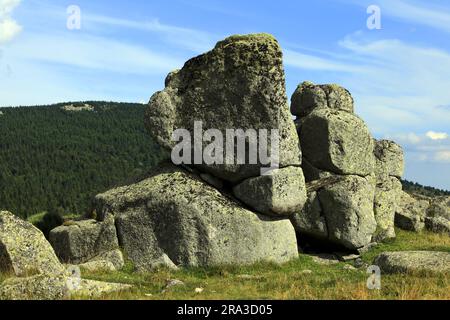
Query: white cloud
point(9, 28)
point(437, 135)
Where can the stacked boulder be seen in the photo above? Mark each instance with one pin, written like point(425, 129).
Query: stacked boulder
point(220, 212)
point(208, 207)
point(349, 175)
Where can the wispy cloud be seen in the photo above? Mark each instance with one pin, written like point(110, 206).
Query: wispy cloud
point(190, 39)
point(315, 62)
point(92, 52)
point(426, 13)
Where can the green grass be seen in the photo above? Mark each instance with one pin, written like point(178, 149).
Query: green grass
point(271, 281)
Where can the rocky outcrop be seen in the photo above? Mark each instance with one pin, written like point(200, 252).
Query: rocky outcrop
point(339, 167)
point(240, 84)
point(24, 250)
point(86, 241)
point(173, 212)
point(413, 261)
point(411, 213)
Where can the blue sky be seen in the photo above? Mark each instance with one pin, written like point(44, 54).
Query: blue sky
point(399, 75)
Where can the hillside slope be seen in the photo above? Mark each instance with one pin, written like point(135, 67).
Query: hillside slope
point(59, 156)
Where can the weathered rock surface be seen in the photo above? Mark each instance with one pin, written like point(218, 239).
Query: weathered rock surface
point(311, 173)
point(387, 197)
point(348, 208)
point(98, 266)
point(311, 220)
point(84, 240)
point(282, 192)
point(389, 159)
point(308, 97)
point(411, 213)
point(38, 287)
point(24, 250)
point(240, 84)
point(174, 212)
point(46, 287)
point(115, 257)
point(413, 261)
point(339, 209)
point(338, 142)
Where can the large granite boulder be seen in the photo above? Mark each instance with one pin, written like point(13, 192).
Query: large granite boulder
point(308, 97)
point(338, 142)
point(24, 250)
point(389, 159)
point(411, 213)
point(81, 241)
point(340, 210)
point(173, 212)
point(281, 192)
point(240, 84)
point(413, 261)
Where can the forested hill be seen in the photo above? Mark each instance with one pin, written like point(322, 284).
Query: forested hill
point(60, 156)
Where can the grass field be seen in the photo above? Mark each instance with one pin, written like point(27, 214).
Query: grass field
point(290, 281)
